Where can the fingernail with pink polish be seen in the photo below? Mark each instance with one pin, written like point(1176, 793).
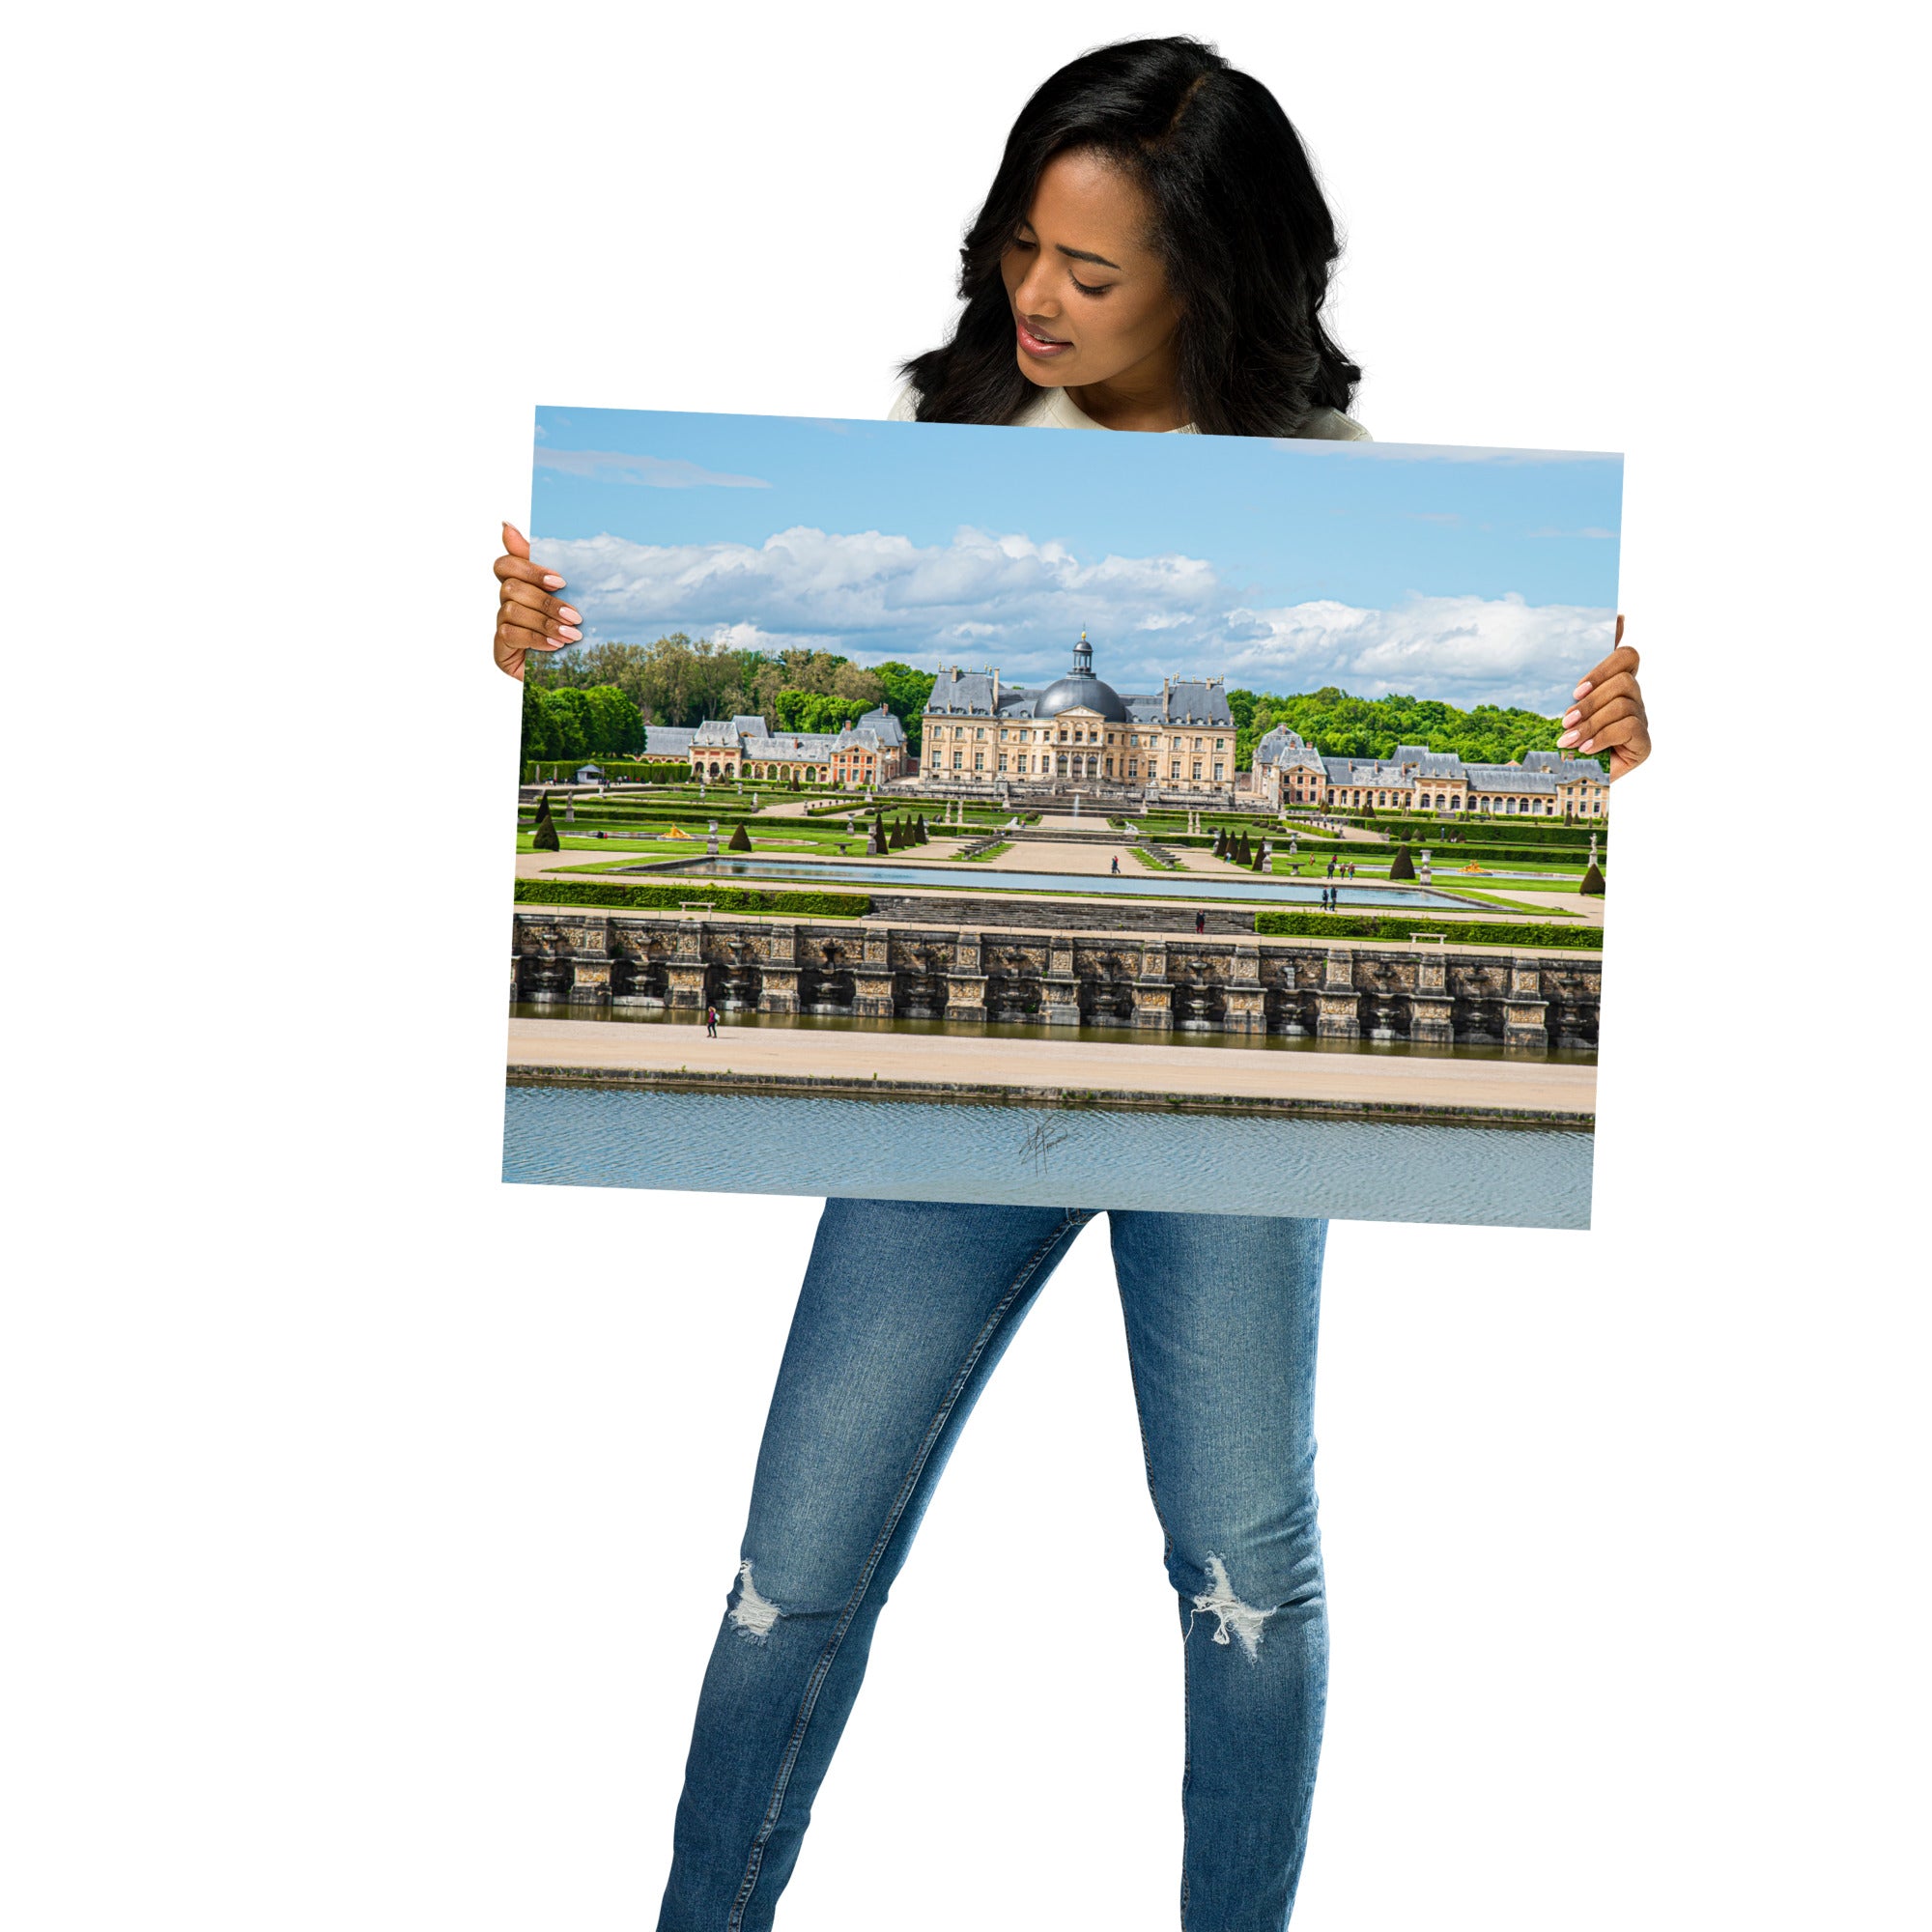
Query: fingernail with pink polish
point(1568, 738)
point(569, 616)
point(1571, 716)
point(1586, 745)
point(568, 633)
point(552, 583)
point(1581, 689)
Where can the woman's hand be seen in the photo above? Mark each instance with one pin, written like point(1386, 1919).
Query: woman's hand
point(1608, 714)
point(528, 618)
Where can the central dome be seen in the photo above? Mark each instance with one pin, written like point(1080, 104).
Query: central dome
point(1081, 690)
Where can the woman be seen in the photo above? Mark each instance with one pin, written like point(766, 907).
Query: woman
point(1154, 255)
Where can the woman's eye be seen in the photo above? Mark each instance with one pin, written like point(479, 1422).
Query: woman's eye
point(1098, 289)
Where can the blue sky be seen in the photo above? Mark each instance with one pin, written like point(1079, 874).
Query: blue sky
point(1469, 575)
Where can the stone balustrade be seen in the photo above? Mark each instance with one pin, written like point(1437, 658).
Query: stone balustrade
point(1164, 985)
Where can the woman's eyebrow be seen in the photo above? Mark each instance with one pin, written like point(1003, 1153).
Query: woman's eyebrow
point(1088, 255)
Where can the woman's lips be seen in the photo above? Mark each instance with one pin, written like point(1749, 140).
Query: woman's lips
point(1043, 346)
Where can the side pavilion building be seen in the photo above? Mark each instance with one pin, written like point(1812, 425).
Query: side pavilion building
point(1546, 784)
point(868, 752)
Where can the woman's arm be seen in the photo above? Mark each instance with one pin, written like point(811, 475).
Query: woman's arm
point(528, 618)
point(1608, 712)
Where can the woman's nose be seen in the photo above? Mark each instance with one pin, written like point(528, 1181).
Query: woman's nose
point(1034, 295)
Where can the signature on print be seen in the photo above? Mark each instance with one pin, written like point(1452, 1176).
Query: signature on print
point(1041, 1141)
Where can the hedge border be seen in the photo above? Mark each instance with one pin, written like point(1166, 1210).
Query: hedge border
point(1473, 932)
point(592, 894)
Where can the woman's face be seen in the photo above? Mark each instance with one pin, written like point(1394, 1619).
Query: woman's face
point(1091, 300)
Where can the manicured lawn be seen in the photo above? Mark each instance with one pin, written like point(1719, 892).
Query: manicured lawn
point(991, 852)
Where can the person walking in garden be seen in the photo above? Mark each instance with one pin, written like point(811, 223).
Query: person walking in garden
point(711, 1022)
point(1154, 255)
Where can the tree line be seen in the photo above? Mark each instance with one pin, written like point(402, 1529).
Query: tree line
point(682, 680)
point(1343, 726)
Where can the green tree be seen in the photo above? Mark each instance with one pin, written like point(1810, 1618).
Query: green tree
point(539, 732)
point(612, 723)
point(568, 710)
point(906, 692)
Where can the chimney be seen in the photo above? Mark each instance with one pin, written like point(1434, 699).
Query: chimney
point(996, 691)
point(1165, 694)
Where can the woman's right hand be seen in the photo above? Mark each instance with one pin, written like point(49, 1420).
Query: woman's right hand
point(528, 618)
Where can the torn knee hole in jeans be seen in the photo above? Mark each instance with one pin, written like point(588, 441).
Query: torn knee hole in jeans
point(753, 1615)
point(1238, 1622)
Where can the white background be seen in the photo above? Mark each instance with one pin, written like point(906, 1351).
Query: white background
point(367, 1522)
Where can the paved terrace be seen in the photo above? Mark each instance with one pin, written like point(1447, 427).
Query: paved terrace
point(1046, 1068)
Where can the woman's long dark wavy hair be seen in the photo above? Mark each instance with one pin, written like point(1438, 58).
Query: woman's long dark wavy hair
point(1241, 229)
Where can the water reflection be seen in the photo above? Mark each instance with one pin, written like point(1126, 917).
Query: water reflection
point(1073, 1157)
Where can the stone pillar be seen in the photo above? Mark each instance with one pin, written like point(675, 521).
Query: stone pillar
point(589, 944)
point(1525, 1011)
point(872, 984)
point(778, 983)
point(685, 972)
point(1153, 995)
point(1430, 1010)
point(965, 983)
point(1339, 1004)
point(1059, 988)
point(1247, 1001)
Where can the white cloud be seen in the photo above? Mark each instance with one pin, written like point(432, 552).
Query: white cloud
point(1465, 650)
point(1010, 601)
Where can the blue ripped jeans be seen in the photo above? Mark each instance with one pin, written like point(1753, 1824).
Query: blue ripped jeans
point(906, 1309)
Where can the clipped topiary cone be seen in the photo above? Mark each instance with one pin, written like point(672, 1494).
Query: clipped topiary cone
point(921, 834)
point(544, 838)
point(1593, 883)
point(738, 841)
point(1401, 866)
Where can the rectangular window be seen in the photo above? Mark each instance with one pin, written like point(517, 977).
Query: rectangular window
point(979, 761)
point(1002, 761)
point(1197, 768)
point(1177, 768)
point(1218, 771)
point(959, 759)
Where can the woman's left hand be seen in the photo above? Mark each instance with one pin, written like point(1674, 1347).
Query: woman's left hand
point(1607, 713)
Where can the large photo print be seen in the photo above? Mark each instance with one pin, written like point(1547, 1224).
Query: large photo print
point(930, 811)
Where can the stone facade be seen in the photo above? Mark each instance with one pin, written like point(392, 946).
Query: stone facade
point(1288, 772)
point(871, 751)
point(1166, 986)
point(1078, 732)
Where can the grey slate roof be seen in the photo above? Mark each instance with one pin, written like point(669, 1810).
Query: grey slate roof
point(669, 741)
point(1196, 700)
point(1566, 767)
point(790, 744)
point(876, 731)
point(1283, 747)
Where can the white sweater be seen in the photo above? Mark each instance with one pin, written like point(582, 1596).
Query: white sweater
point(1054, 409)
